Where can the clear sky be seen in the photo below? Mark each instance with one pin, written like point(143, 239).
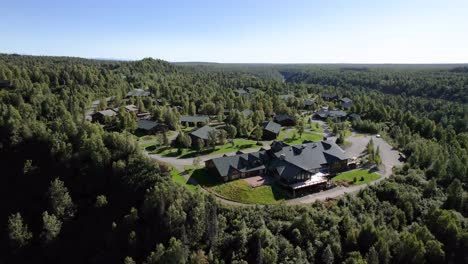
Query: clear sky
point(273, 31)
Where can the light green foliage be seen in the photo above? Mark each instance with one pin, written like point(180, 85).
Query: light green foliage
point(51, 227)
point(18, 232)
point(60, 201)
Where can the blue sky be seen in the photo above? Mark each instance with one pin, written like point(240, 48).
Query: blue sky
point(294, 31)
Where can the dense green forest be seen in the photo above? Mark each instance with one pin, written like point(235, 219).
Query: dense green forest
point(73, 192)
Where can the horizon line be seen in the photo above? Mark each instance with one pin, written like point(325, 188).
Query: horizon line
point(264, 63)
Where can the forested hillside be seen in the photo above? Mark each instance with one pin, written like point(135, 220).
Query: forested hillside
point(73, 192)
point(443, 83)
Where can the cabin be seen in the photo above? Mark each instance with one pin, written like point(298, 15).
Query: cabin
point(329, 97)
point(286, 97)
point(195, 120)
point(346, 103)
point(294, 167)
point(323, 114)
point(151, 127)
point(271, 130)
point(139, 114)
point(285, 120)
point(138, 93)
point(101, 116)
point(241, 165)
point(247, 112)
point(353, 117)
point(131, 108)
point(202, 133)
point(309, 104)
point(246, 92)
point(299, 163)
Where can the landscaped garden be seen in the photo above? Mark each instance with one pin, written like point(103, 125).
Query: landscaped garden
point(356, 177)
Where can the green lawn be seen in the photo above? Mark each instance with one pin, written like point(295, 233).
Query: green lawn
point(312, 125)
point(358, 174)
point(239, 144)
point(187, 129)
point(178, 178)
point(238, 190)
point(306, 136)
point(282, 135)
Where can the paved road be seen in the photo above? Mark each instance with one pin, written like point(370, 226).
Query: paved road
point(358, 145)
point(181, 163)
point(389, 160)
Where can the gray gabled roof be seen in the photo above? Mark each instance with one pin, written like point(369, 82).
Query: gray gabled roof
point(241, 163)
point(138, 92)
point(107, 112)
point(308, 157)
point(329, 96)
point(347, 105)
point(272, 127)
point(247, 112)
point(324, 113)
point(280, 118)
point(147, 124)
point(286, 96)
point(337, 113)
point(203, 132)
point(240, 91)
point(354, 116)
point(286, 160)
point(308, 102)
point(346, 100)
point(194, 119)
point(131, 108)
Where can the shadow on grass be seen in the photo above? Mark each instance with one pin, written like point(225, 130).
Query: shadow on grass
point(203, 178)
point(279, 193)
point(140, 133)
point(194, 153)
point(245, 146)
point(151, 148)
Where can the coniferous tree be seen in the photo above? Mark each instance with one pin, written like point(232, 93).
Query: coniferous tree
point(60, 201)
point(18, 232)
point(51, 227)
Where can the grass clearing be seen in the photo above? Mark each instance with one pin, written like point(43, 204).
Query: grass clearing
point(238, 190)
point(310, 124)
point(362, 176)
point(306, 136)
point(179, 178)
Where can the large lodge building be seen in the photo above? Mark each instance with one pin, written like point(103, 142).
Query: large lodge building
point(295, 167)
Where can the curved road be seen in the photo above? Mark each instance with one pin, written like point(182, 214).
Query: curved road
point(390, 159)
